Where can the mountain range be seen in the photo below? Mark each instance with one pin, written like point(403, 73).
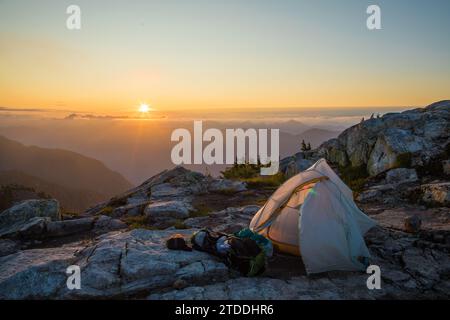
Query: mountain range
point(142, 149)
point(76, 180)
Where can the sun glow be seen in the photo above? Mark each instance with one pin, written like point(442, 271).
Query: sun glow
point(144, 108)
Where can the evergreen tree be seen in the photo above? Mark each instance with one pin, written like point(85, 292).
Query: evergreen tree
point(304, 147)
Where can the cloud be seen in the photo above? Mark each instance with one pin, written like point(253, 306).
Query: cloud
point(81, 116)
point(34, 110)
point(8, 109)
point(74, 116)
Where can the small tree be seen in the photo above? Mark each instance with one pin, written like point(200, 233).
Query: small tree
point(304, 146)
point(308, 147)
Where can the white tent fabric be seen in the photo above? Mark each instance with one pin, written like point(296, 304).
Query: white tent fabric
point(313, 215)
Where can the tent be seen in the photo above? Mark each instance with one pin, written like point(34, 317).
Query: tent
point(313, 215)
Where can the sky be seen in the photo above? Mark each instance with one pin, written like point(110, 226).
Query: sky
point(237, 54)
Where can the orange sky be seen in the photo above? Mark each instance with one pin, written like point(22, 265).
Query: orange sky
point(215, 56)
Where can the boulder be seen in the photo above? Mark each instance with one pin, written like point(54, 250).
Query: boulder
point(401, 175)
point(436, 193)
point(334, 151)
point(27, 217)
point(178, 182)
point(392, 144)
point(32, 229)
point(301, 161)
point(137, 198)
point(41, 228)
point(106, 224)
point(226, 186)
point(68, 227)
point(133, 210)
point(8, 247)
point(176, 209)
point(175, 184)
point(167, 190)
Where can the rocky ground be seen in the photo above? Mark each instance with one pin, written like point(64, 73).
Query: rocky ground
point(120, 244)
point(116, 262)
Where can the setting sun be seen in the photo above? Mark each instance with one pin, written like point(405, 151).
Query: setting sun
point(144, 108)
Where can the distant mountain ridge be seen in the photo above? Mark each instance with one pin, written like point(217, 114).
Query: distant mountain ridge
point(72, 200)
point(55, 167)
point(317, 136)
point(137, 154)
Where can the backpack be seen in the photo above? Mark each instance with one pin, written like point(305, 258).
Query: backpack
point(244, 254)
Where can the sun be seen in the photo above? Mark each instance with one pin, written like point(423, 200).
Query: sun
point(144, 108)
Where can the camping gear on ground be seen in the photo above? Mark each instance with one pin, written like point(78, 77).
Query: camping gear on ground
point(246, 256)
point(242, 254)
point(313, 215)
point(262, 241)
point(177, 242)
point(206, 240)
point(222, 246)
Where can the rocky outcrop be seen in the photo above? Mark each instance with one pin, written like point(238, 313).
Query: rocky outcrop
point(226, 186)
point(133, 263)
point(390, 250)
point(136, 264)
point(8, 246)
point(117, 265)
point(166, 213)
point(28, 217)
point(230, 220)
point(292, 165)
point(413, 138)
point(167, 198)
point(176, 209)
point(378, 193)
point(401, 175)
point(41, 219)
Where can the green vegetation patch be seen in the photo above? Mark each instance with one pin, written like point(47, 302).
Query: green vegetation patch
point(179, 224)
point(251, 174)
point(242, 171)
point(139, 222)
point(404, 160)
point(108, 210)
point(118, 201)
point(354, 177)
point(265, 182)
point(201, 210)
